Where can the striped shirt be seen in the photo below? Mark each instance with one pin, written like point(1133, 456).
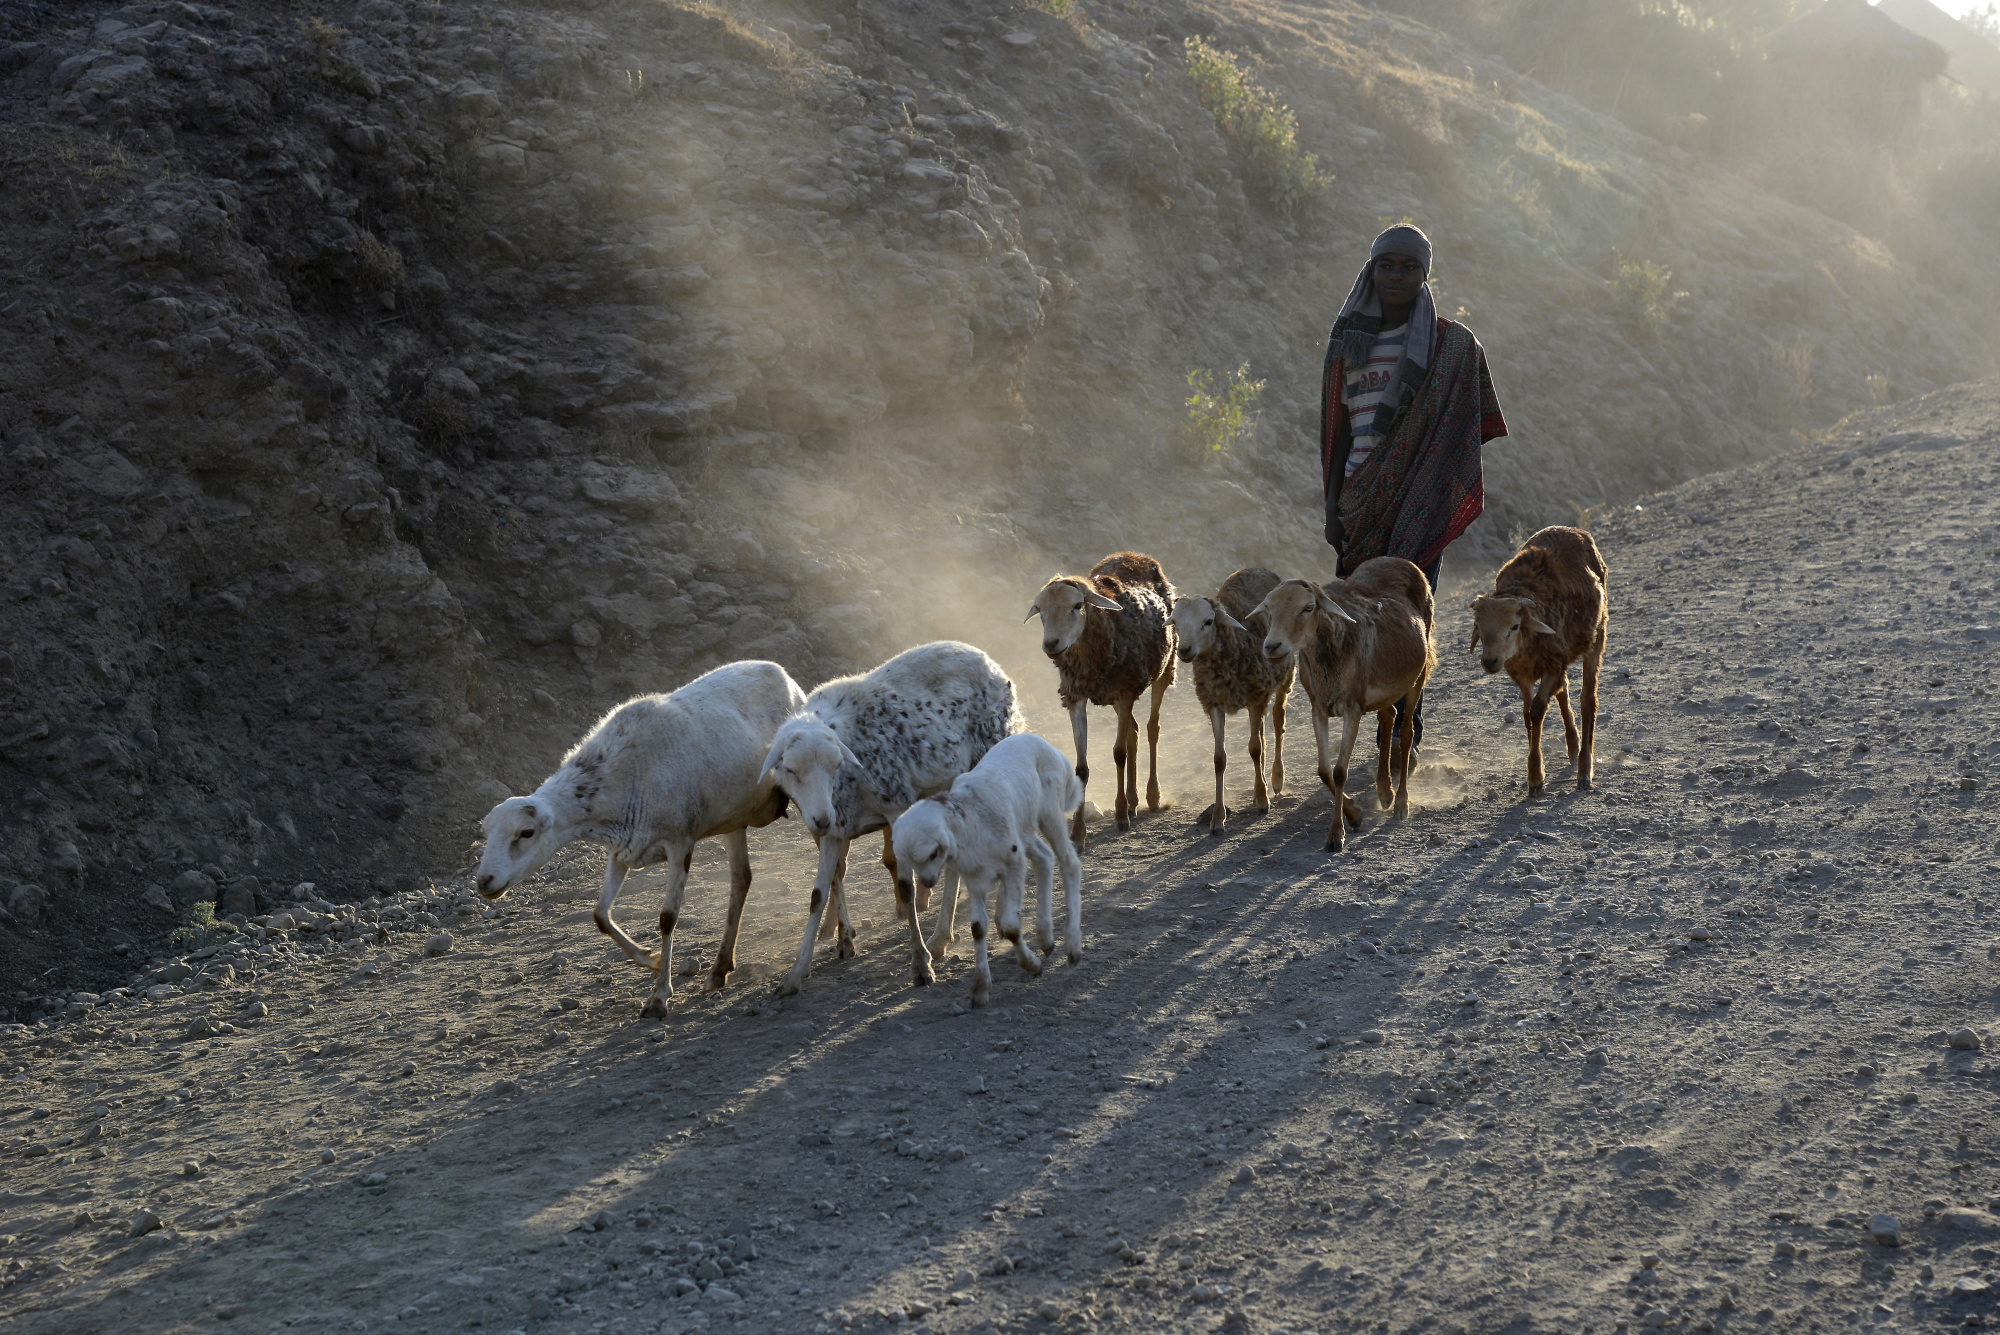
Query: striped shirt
point(1367, 390)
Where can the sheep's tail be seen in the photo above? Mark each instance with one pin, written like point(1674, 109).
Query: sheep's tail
point(1072, 792)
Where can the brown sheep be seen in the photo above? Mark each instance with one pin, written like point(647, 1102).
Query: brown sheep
point(1363, 646)
point(1549, 607)
point(1223, 641)
point(1111, 660)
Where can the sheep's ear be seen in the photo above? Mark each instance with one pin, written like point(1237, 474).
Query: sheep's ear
point(1473, 648)
point(1222, 615)
point(847, 754)
point(1096, 599)
point(529, 811)
point(771, 761)
point(1328, 605)
point(1034, 610)
point(1262, 607)
point(1536, 624)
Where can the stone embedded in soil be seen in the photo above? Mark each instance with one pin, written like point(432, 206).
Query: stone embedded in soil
point(1886, 1230)
point(1967, 1221)
point(142, 1223)
point(1963, 1040)
point(440, 944)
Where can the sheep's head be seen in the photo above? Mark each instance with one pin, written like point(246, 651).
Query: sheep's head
point(1499, 623)
point(1194, 625)
point(1061, 605)
point(1291, 611)
point(520, 837)
point(924, 843)
point(804, 762)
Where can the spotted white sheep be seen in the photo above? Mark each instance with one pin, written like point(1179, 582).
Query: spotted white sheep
point(1009, 813)
point(863, 748)
point(657, 775)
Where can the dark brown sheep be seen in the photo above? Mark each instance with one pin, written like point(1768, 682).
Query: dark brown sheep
point(1222, 638)
point(1111, 638)
point(1550, 606)
point(1363, 646)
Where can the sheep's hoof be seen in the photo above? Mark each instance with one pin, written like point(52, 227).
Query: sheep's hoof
point(979, 997)
point(1047, 941)
point(922, 977)
point(1030, 965)
point(718, 979)
point(848, 949)
point(1535, 789)
point(1583, 781)
point(790, 986)
point(940, 948)
point(654, 1009)
point(1074, 954)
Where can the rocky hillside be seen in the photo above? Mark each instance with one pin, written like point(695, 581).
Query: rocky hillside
point(386, 389)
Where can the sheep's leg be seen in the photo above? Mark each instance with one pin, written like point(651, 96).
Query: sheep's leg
point(1072, 874)
point(1586, 759)
point(889, 865)
point(1343, 806)
point(1406, 742)
point(832, 861)
point(1570, 738)
point(1012, 883)
point(1079, 730)
point(1279, 697)
point(1045, 910)
point(1385, 744)
point(920, 955)
point(941, 939)
point(1218, 813)
point(1319, 720)
point(844, 946)
point(1260, 796)
point(1533, 709)
point(923, 899)
point(615, 871)
point(982, 973)
point(1124, 763)
point(678, 863)
point(738, 844)
point(1160, 684)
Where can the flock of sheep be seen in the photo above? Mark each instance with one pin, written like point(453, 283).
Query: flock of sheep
point(930, 748)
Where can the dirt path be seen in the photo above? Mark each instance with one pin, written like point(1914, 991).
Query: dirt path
point(1473, 1075)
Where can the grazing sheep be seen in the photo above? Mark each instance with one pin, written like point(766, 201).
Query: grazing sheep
point(1006, 814)
point(1225, 644)
point(1111, 660)
point(1363, 646)
point(1549, 607)
point(863, 748)
point(656, 776)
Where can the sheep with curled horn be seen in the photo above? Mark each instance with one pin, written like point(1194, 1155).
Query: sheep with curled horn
point(1221, 638)
point(1363, 646)
point(1110, 635)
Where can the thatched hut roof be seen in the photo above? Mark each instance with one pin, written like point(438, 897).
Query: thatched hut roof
point(1975, 61)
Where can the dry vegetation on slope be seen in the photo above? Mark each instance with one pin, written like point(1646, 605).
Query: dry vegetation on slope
point(389, 388)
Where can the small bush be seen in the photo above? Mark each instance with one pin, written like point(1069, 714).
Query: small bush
point(201, 924)
point(379, 266)
point(439, 418)
point(1263, 127)
point(1644, 294)
point(1215, 421)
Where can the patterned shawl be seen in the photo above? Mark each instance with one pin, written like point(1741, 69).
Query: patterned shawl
point(1422, 485)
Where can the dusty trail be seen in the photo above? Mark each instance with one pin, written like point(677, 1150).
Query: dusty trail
point(1470, 1075)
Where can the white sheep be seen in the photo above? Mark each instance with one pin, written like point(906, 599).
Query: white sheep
point(1010, 812)
point(865, 747)
point(657, 775)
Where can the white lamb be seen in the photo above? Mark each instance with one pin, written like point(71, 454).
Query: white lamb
point(1011, 811)
point(656, 776)
point(864, 748)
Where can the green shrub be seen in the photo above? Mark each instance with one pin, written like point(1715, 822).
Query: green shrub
point(1644, 294)
point(201, 924)
point(1264, 128)
point(1215, 421)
